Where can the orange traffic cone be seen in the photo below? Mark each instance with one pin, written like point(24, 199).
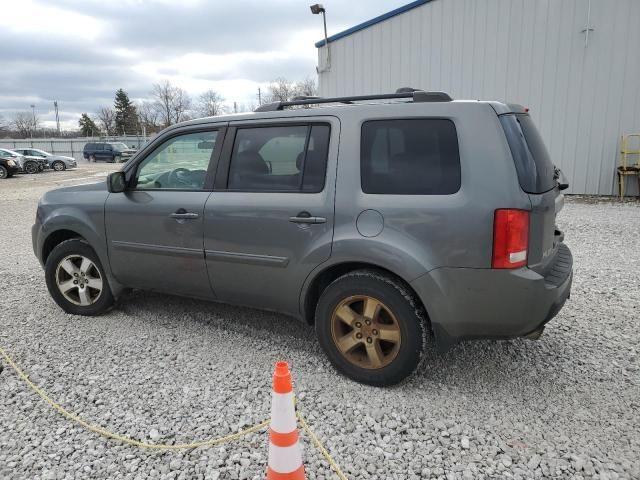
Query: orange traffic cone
point(285, 452)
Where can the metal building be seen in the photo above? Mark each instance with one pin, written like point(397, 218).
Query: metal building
point(574, 63)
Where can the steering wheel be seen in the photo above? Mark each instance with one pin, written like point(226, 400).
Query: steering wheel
point(177, 177)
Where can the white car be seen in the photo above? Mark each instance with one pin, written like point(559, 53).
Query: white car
point(56, 162)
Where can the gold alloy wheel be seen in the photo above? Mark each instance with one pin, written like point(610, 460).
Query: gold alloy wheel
point(366, 332)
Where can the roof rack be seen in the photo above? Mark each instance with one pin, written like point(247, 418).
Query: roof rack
point(405, 92)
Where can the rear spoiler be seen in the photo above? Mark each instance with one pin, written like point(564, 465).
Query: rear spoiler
point(508, 108)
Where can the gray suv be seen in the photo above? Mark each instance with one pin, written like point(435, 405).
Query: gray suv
point(386, 221)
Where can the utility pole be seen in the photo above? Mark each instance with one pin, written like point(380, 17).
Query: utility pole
point(33, 125)
point(235, 107)
point(55, 107)
point(259, 97)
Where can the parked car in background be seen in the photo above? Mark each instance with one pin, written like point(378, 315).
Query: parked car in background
point(56, 162)
point(8, 166)
point(25, 164)
point(107, 152)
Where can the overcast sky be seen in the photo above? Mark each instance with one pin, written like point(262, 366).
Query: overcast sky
point(81, 52)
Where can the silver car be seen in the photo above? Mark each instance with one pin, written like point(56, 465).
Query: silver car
point(56, 162)
point(383, 220)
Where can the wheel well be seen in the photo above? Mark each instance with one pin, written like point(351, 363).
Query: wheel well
point(323, 279)
point(55, 239)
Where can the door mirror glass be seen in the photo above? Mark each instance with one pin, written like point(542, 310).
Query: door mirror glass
point(116, 182)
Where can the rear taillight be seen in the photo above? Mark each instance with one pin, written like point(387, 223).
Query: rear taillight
point(510, 238)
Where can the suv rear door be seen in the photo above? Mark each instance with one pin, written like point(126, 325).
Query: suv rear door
point(537, 176)
point(269, 221)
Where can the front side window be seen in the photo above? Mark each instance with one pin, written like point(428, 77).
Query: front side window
point(179, 163)
point(410, 157)
point(279, 159)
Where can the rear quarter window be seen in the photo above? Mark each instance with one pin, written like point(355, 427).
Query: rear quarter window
point(410, 157)
point(533, 164)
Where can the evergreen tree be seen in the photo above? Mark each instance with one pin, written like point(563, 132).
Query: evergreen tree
point(88, 127)
point(126, 120)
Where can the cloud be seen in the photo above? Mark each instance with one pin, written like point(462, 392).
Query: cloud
point(80, 52)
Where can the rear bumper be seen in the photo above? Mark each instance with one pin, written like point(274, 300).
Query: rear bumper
point(486, 303)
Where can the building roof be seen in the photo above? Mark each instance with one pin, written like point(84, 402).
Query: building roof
point(373, 21)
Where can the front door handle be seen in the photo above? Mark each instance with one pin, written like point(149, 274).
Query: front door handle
point(305, 217)
point(182, 214)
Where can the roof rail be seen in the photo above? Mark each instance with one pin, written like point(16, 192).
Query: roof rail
point(406, 92)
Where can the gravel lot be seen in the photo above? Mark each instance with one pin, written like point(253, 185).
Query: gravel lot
point(168, 369)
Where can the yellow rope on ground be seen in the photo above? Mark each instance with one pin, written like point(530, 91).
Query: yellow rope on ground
point(325, 453)
point(159, 446)
point(122, 438)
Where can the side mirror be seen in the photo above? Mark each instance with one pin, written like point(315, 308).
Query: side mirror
point(116, 182)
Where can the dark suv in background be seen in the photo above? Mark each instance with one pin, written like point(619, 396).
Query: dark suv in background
point(107, 152)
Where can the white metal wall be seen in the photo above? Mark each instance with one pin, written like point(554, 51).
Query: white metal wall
point(530, 52)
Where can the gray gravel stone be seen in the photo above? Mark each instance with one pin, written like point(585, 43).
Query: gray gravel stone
point(170, 369)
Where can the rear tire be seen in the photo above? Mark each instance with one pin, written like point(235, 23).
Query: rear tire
point(371, 327)
point(58, 166)
point(76, 279)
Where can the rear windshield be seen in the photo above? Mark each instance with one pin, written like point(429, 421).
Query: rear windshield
point(534, 167)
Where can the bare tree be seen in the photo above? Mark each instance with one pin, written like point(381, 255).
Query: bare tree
point(107, 120)
point(149, 116)
point(306, 87)
point(281, 90)
point(210, 104)
point(26, 123)
point(173, 103)
point(181, 105)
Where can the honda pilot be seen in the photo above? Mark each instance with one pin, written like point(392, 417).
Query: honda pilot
point(392, 223)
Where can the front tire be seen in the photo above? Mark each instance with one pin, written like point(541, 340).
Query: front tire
point(371, 327)
point(59, 166)
point(30, 167)
point(92, 158)
point(76, 279)
point(4, 173)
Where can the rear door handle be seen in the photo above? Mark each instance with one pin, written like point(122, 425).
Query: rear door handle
point(182, 214)
point(305, 217)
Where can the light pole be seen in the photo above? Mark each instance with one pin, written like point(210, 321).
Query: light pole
point(317, 9)
point(33, 125)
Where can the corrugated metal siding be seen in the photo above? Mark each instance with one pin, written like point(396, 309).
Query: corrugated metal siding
point(524, 51)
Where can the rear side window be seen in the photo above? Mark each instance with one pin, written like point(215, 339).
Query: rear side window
point(410, 157)
point(533, 164)
point(279, 159)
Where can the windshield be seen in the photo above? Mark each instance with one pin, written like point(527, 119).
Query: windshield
point(10, 153)
point(536, 172)
point(119, 147)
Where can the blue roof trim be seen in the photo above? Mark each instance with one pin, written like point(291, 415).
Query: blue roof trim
point(373, 21)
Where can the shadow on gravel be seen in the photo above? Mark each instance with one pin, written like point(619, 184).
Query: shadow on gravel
point(479, 365)
point(211, 315)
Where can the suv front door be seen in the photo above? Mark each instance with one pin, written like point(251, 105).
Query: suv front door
point(155, 228)
point(269, 222)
